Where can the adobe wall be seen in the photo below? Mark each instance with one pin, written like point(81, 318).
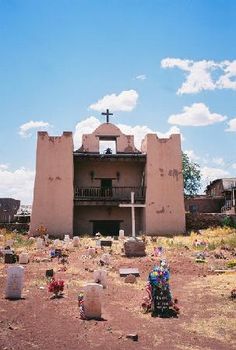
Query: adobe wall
point(205, 204)
point(124, 143)
point(130, 173)
point(164, 213)
point(83, 217)
point(53, 188)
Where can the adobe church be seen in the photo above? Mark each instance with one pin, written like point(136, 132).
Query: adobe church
point(89, 190)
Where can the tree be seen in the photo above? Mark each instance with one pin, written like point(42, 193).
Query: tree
point(191, 175)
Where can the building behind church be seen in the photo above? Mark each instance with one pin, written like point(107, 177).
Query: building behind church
point(79, 192)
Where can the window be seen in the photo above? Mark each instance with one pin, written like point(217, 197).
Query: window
point(107, 146)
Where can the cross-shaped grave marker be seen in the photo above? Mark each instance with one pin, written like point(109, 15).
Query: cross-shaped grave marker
point(132, 205)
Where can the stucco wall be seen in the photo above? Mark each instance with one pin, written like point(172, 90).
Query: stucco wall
point(164, 213)
point(84, 214)
point(53, 189)
point(124, 143)
point(130, 173)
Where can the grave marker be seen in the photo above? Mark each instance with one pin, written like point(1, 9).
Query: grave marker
point(129, 271)
point(15, 280)
point(93, 300)
point(75, 241)
point(100, 277)
point(24, 258)
point(106, 243)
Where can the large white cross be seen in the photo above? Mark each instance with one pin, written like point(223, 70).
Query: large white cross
point(132, 205)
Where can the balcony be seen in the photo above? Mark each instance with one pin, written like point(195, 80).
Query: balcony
point(113, 194)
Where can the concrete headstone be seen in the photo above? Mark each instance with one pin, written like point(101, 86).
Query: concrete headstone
point(15, 280)
point(91, 252)
point(106, 258)
point(128, 271)
point(93, 300)
point(67, 238)
point(75, 241)
point(100, 277)
point(39, 243)
point(121, 234)
point(23, 258)
point(134, 247)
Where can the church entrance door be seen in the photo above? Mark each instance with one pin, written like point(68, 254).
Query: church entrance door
point(106, 227)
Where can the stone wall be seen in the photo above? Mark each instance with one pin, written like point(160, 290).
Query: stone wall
point(198, 221)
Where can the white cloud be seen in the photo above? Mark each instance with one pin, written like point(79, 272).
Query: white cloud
point(141, 77)
point(225, 81)
point(199, 74)
point(86, 126)
point(231, 125)
point(126, 101)
point(198, 114)
point(210, 174)
point(234, 166)
point(192, 155)
point(25, 128)
point(4, 166)
point(218, 161)
point(139, 131)
point(17, 184)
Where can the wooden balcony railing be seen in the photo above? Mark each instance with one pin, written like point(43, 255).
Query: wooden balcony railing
point(109, 194)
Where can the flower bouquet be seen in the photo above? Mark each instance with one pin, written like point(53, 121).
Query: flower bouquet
point(56, 287)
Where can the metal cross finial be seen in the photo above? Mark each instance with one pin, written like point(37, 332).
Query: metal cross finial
point(107, 114)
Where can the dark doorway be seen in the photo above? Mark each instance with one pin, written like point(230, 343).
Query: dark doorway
point(106, 183)
point(106, 227)
point(106, 187)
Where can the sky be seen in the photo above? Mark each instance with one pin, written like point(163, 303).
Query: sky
point(159, 65)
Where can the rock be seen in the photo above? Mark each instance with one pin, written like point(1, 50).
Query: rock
point(130, 279)
point(134, 336)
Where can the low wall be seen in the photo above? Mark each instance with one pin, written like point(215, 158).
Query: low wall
point(198, 221)
point(20, 227)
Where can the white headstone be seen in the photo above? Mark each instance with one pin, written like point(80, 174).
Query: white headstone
point(106, 258)
point(31, 239)
point(93, 300)
point(15, 280)
point(100, 276)
point(1, 237)
point(75, 241)
point(121, 234)
point(98, 243)
point(67, 238)
point(39, 243)
point(23, 258)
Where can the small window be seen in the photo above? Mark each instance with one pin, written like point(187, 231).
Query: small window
point(107, 146)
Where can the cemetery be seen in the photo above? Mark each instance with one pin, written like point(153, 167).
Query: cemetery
point(125, 292)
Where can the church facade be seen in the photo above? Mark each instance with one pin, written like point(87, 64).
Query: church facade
point(85, 191)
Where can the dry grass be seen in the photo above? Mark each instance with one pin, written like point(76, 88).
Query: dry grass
point(221, 323)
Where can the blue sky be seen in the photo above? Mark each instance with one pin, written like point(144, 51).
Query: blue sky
point(164, 57)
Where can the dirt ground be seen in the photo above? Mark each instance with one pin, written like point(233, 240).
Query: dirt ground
point(207, 317)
